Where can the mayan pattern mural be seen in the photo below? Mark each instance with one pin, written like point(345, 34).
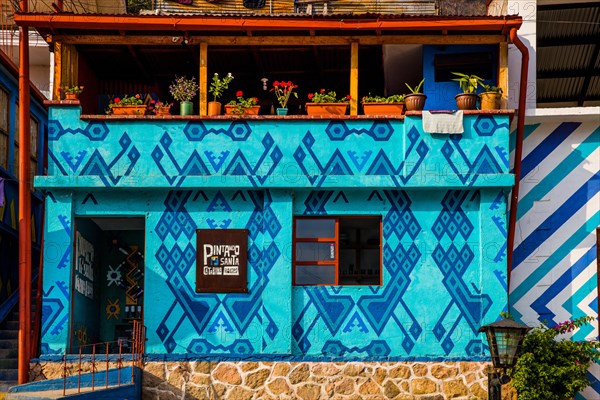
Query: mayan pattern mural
point(432, 300)
point(442, 277)
point(259, 153)
point(555, 258)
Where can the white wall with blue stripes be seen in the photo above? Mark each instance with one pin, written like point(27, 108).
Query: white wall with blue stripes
point(554, 277)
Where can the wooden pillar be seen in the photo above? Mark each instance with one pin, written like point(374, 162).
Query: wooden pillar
point(354, 78)
point(503, 72)
point(57, 70)
point(203, 78)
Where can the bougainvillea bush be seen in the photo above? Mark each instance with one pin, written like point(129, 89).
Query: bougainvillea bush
point(552, 367)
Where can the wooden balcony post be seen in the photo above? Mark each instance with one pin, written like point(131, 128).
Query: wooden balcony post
point(354, 78)
point(203, 78)
point(503, 72)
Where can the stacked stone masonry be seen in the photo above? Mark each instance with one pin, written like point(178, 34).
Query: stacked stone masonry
point(307, 380)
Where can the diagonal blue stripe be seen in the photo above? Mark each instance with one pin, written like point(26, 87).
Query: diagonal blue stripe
point(528, 130)
point(540, 304)
point(562, 170)
point(561, 252)
point(557, 219)
point(547, 146)
point(582, 292)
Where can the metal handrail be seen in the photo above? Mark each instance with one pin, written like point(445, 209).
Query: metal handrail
point(137, 342)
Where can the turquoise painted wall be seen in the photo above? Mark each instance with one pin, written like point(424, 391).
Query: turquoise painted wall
point(437, 195)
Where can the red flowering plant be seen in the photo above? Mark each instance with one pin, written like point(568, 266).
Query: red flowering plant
point(125, 101)
point(552, 366)
point(323, 96)
point(242, 103)
point(158, 107)
point(283, 91)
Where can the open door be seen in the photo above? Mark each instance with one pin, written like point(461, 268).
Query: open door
point(108, 283)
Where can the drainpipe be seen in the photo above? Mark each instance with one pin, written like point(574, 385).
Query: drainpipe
point(512, 222)
point(24, 206)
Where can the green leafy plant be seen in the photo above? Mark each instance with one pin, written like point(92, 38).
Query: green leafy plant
point(183, 89)
point(416, 89)
point(218, 85)
point(126, 100)
point(467, 83)
point(327, 97)
point(491, 88)
point(241, 103)
point(552, 368)
point(71, 89)
point(283, 90)
point(395, 98)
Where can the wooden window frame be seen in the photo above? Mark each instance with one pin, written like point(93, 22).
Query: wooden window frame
point(336, 239)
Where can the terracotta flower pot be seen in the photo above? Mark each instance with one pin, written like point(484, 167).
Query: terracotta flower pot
point(324, 109)
point(233, 110)
point(490, 100)
point(71, 96)
point(214, 108)
point(383, 108)
point(129, 110)
point(466, 101)
point(415, 101)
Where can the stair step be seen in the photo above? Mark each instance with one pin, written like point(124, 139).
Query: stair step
point(10, 325)
point(8, 363)
point(9, 375)
point(9, 334)
point(9, 344)
point(9, 353)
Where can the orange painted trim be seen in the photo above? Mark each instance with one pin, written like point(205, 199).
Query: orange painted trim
point(244, 23)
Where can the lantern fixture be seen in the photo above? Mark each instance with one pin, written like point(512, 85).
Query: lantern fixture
point(505, 338)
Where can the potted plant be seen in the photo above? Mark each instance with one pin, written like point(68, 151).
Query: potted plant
point(217, 87)
point(71, 92)
point(326, 103)
point(183, 90)
point(245, 106)
point(467, 100)
point(491, 97)
point(160, 108)
point(377, 105)
point(128, 105)
point(553, 368)
point(283, 91)
point(415, 100)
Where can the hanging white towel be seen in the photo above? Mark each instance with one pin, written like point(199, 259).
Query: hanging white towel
point(447, 123)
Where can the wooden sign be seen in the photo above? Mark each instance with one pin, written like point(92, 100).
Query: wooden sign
point(221, 260)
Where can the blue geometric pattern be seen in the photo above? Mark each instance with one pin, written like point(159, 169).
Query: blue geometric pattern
point(252, 174)
point(390, 153)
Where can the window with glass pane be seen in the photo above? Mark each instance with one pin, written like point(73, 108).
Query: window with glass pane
point(337, 251)
point(4, 128)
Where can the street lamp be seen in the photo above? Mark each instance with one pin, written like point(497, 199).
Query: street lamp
point(504, 340)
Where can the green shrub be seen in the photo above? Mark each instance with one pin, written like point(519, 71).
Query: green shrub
point(551, 368)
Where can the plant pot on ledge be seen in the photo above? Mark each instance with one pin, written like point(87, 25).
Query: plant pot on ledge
point(415, 101)
point(466, 101)
point(214, 108)
point(383, 108)
point(129, 110)
point(71, 96)
point(490, 100)
point(325, 109)
point(234, 110)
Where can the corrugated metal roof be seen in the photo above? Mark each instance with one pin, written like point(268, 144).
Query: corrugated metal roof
point(568, 54)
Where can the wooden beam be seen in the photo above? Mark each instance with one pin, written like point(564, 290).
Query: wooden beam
point(503, 72)
point(57, 70)
point(354, 79)
point(282, 40)
point(203, 78)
